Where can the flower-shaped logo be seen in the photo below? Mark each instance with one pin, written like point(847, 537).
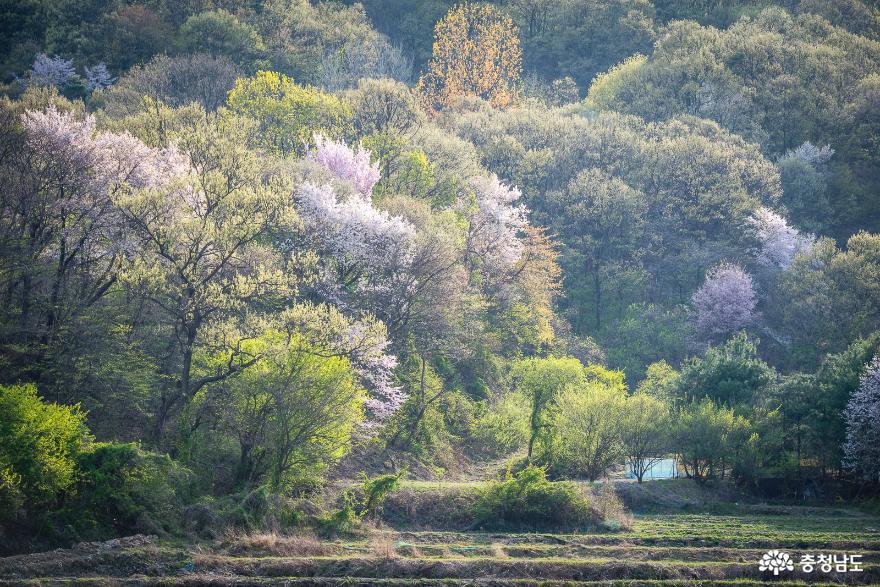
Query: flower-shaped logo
point(776, 561)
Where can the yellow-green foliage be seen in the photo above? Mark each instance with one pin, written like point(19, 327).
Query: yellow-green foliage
point(605, 87)
point(295, 410)
point(39, 443)
point(541, 381)
point(503, 426)
point(530, 500)
point(287, 112)
point(587, 432)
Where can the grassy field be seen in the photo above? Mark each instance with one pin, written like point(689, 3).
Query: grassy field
point(661, 548)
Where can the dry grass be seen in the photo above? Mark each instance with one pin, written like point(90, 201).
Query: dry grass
point(610, 509)
point(275, 544)
point(498, 551)
point(382, 546)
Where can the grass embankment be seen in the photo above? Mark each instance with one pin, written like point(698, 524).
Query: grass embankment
point(659, 549)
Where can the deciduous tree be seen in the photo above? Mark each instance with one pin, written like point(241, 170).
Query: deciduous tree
point(724, 304)
point(861, 451)
point(476, 53)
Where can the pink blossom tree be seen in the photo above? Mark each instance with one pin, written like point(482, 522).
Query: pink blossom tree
point(364, 342)
point(861, 450)
point(69, 204)
point(375, 366)
point(724, 303)
point(345, 163)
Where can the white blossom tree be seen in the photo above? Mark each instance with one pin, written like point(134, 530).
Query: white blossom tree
point(98, 78)
point(861, 450)
point(375, 366)
point(67, 206)
point(496, 224)
point(351, 229)
point(810, 153)
point(364, 342)
point(51, 71)
point(780, 242)
point(724, 303)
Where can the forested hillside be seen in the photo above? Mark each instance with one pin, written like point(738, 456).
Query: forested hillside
point(248, 247)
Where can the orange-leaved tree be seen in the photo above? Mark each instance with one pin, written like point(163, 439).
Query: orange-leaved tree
point(476, 53)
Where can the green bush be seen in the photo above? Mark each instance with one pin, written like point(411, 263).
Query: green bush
point(376, 490)
point(122, 489)
point(257, 510)
point(39, 444)
point(530, 501)
point(357, 505)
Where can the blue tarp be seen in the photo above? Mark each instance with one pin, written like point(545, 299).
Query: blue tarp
point(662, 469)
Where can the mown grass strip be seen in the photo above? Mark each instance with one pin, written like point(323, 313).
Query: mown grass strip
point(481, 568)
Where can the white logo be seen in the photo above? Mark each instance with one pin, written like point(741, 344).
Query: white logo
point(776, 561)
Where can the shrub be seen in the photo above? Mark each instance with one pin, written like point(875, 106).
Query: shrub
point(257, 510)
point(610, 509)
point(530, 501)
point(39, 443)
point(376, 490)
point(344, 520)
point(366, 503)
point(122, 489)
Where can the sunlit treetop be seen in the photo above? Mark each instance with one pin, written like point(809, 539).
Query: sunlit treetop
point(476, 53)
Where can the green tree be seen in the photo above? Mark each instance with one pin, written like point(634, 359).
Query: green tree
point(541, 381)
point(645, 432)
point(588, 425)
point(661, 381)
point(218, 32)
point(39, 445)
point(202, 257)
point(601, 221)
point(836, 380)
point(730, 374)
point(829, 297)
point(581, 38)
point(708, 438)
point(293, 412)
point(288, 114)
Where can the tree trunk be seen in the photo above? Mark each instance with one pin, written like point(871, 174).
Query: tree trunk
point(183, 386)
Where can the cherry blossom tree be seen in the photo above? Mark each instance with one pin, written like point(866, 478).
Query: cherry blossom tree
point(780, 242)
point(861, 450)
point(375, 366)
point(98, 78)
point(342, 161)
point(724, 303)
point(74, 225)
point(364, 342)
point(51, 71)
point(496, 224)
point(351, 228)
point(348, 225)
point(810, 153)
